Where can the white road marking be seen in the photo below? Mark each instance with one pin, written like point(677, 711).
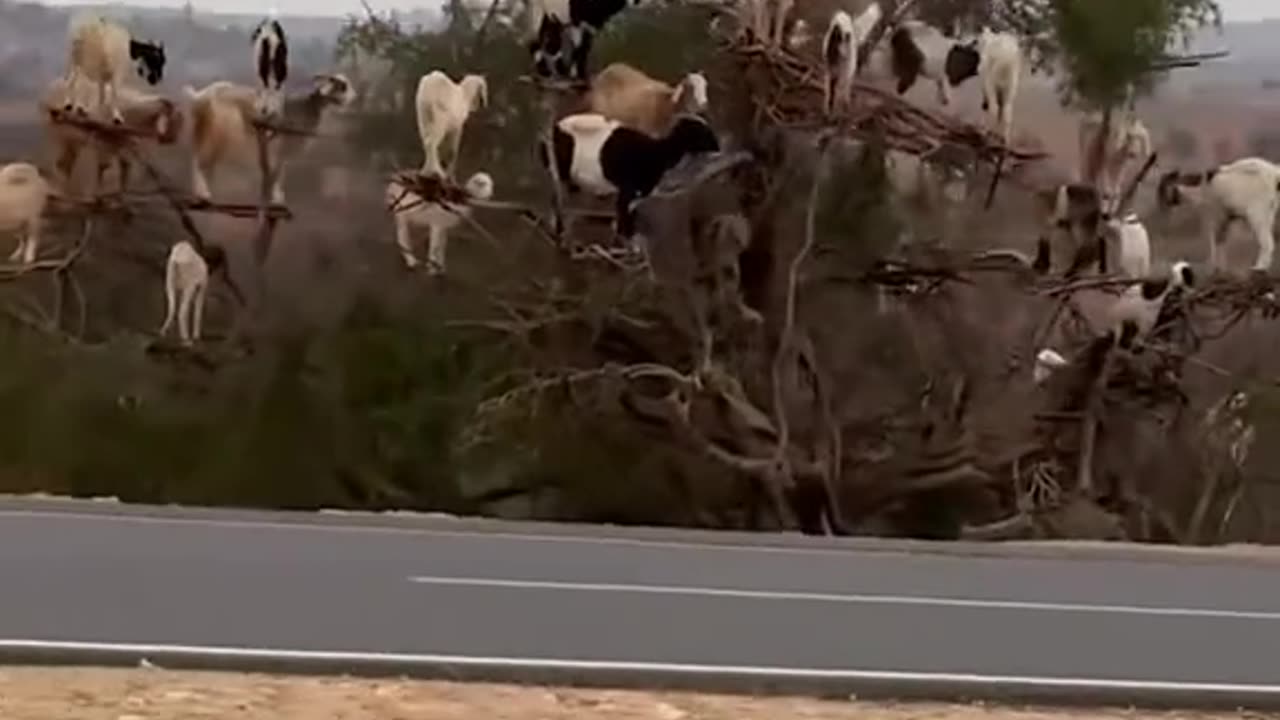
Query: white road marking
point(851, 598)
point(745, 671)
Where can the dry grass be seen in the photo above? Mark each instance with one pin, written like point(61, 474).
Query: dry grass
point(100, 694)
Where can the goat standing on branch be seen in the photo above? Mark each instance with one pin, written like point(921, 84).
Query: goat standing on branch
point(153, 116)
point(24, 193)
point(102, 52)
point(623, 93)
point(1246, 189)
point(1137, 311)
point(271, 63)
point(1129, 143)
point(186, 281)
point(443, 107)
point(222, 127)
point(1133, 244)
point(604, 157)
point(844, 36)
point(563, 32)
point(1076, 209)
point(439, 217)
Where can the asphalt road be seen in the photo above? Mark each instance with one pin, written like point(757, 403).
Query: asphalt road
point(86, 581)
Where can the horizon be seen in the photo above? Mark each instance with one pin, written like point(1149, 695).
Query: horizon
point(1232, 10)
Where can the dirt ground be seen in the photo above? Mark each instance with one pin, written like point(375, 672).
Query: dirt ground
point(151, 694)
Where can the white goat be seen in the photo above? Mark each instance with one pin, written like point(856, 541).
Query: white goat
point(845, 34)
point(999, 68)
point(102, 53)
point(437, 217)
point(222, 129)
point(1134, 245)
point(766, 19)
point(621, 92)
point(443, 107)
point(1128, 143)
point(186, 282)
point(154, 116)
point(1246, 189)
point(24, 193)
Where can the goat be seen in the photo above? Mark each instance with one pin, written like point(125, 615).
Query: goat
point(564, 31)
point(186, 281)
point(443, 107)
point(438, 217)
point(767, 19)
point(24, 194)
point(1076, 209)
point(999, 68)
point(1047, 362)
point(1247, 189)
point(845, 35)
point(153, 115)
point(101, 53)
point(222, 127)
point(623, 93)
point(1138, 309)
point(1128, 142)
point(1133, 244)
point(271, 63)
point(604, 157)
point(917, 49)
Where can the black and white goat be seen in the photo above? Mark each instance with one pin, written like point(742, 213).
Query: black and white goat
point(1139, 308)
point(605, 157)
point(845, 35)
point(102, 52)
point(917, 49)
point(563, 32)
point(1246, 189)
point(271, 64)
point(1077, 210)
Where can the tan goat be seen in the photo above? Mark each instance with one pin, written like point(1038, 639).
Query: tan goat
point(622, 93)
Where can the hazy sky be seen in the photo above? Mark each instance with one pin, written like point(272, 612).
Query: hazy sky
point(1234, 9)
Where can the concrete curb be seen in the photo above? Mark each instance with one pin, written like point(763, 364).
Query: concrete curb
point(837, 685)
point(1258, 556)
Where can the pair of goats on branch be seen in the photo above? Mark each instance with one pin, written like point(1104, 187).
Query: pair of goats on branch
point(917, 49)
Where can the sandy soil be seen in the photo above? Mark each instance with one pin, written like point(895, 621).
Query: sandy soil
point(149, 694)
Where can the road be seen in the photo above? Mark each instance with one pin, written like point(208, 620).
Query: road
point(88, 581)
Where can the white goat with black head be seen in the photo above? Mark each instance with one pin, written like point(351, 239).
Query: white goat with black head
point(271, 64)
point(439, 217)
point(604, 157)
point(443, 107)
point(24, 194)
point(623, 93)
point(1246, 189)
point(222, 128)
point(845, 35)
point(103, 52)
point(563, 32)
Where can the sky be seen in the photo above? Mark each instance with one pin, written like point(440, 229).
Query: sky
point(1232, 9)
